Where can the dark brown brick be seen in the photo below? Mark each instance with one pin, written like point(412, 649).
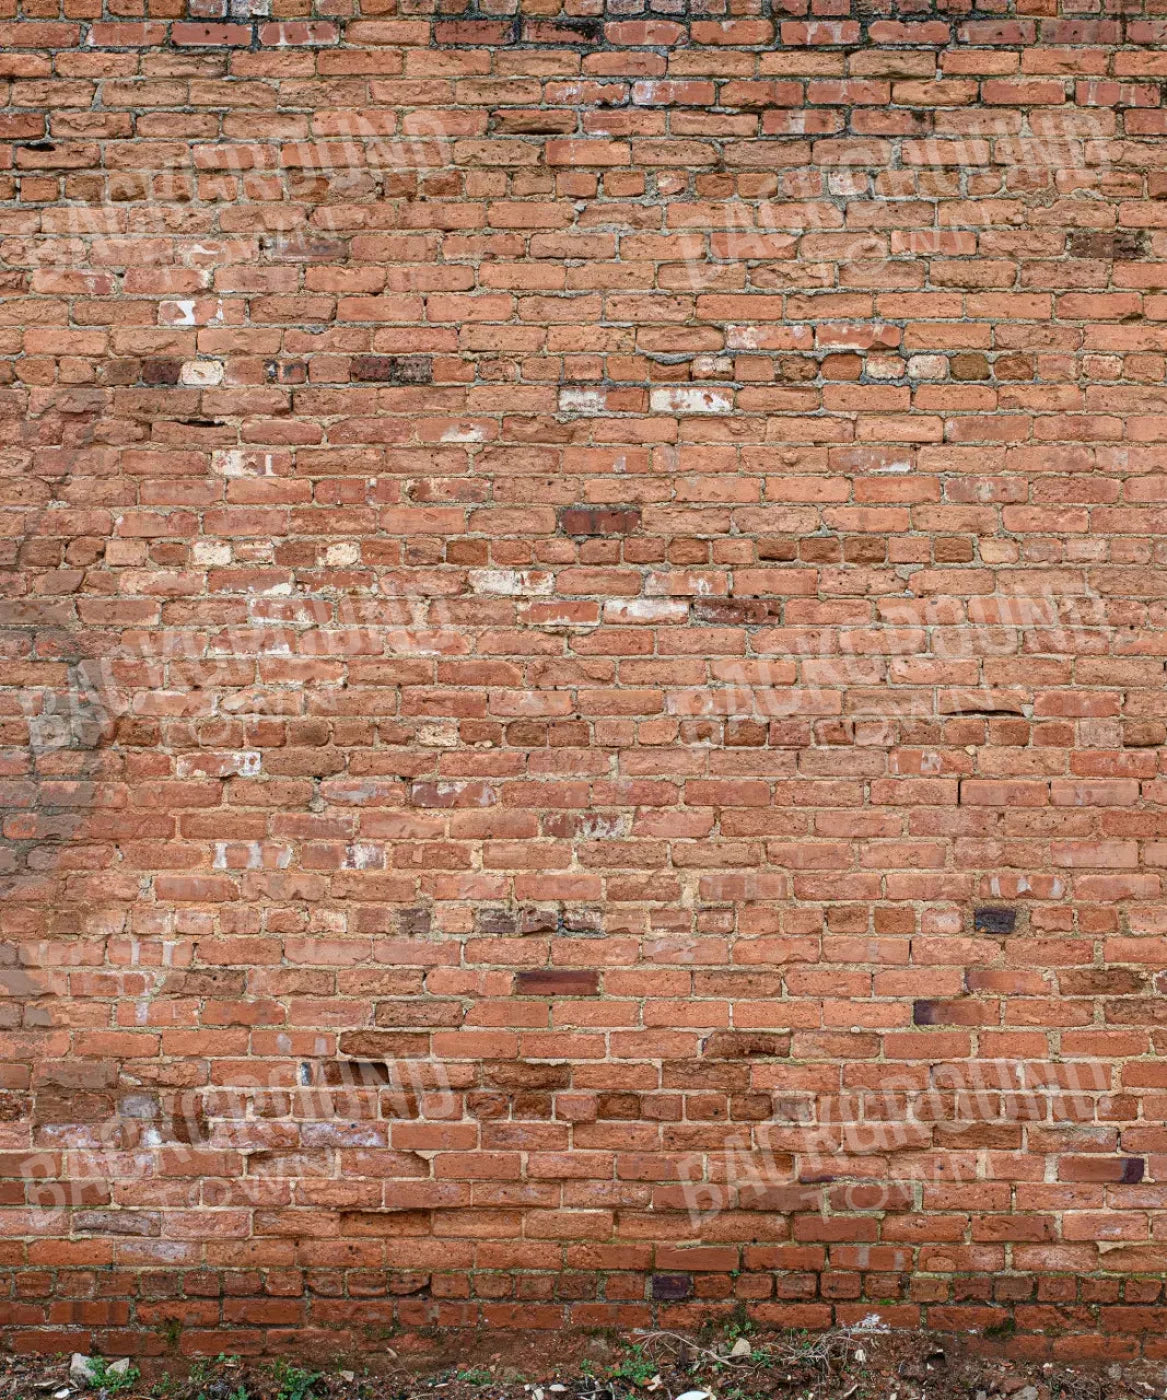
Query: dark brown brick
point(746, 1045)
point(161, 371)
point(969, 366)
point(672, 1288)
point(557, 982)
point(1123, 245)
point(506, 923)
point(392, 369)
point(593, 520)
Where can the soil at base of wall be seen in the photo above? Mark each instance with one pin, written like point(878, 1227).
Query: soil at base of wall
point(846, 1364)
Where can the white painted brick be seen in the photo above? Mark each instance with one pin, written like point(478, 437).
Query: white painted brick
point(686, 399)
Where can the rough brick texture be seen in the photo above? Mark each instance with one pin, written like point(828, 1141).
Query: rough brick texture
point(583, 638)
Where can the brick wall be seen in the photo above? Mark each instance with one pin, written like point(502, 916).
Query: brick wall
point(583, 668)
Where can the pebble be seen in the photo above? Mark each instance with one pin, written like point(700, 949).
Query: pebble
point(81, 1373)
point(741, 1347)
point(694, 1395)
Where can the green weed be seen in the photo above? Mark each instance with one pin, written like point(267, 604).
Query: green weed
point(111, 1382)
point(293, 1382)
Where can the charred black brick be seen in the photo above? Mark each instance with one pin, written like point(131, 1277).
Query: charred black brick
point(562, 31)
point(993, 920)
point(672, 1287)
point(925, 1013)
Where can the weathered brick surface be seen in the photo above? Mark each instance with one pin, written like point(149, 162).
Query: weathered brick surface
point(583, 668)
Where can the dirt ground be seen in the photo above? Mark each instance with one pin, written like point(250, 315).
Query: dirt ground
point(852, 1364)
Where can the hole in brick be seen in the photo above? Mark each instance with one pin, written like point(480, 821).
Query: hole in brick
point(994, 920)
